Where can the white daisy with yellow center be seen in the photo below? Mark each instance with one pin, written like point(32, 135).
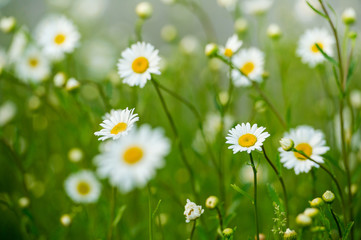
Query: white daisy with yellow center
point(132, 161)
point(117, 123)
point(233, 44)
point(138, 63)
point(247, 138)
point(83, 187)
point(251, 63)
point(311, 142)
point(33, 66)
point(57, 35)
point(307, 48)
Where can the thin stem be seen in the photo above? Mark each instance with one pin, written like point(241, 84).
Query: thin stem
point(150, 214)
point(220, 218)
point(176, 135)
point(112, 207)
point(280, 178)
point(331, 175)
point(335, 218)
point(259, 90)
point(193, 229)
point(255, 194)
point(138, 29)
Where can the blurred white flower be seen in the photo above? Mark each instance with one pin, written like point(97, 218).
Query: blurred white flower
point(83, 187)
point(75, 154)
point(144, 10)
point(189, 44)
point(7, 24)
point(251, 63)
point(138, 63)
point(274, 31)
point(192, 211)
point(117, 123)
point(349, 16)
point(304, 13)
point(312, 142)
point(246, 138)
point(24, 202)
point(17, 46)
point(233, 44)
point(132, 161)
point(257, 7)
point(33, 66)
point(60, 79)
point(57, 35)
point(84, 10)
point(355, 98)
point(308, 50)
point(65, 220)
point(240, 25)
point(227, 4)
point(169, 33)
point(72, 84)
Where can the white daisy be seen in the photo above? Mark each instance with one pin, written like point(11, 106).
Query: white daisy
point(257, 7)
point(138, 63)
point(308, 140)
point(232, 46)
point(33, 66)
point(251, 63)
point(83, 187)
point(57, 35)
point(132, 161)
point(117, 123)
point(308, 50)
point(192, 211)
point(246, 138)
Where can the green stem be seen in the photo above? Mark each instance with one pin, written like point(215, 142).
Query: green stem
point(335, 218)
point(280, 178)
point(255, 194)
point(177, 139)
point(220, 218)
point(333, 177)
point(193, 229)
point(150, 215)
point(138, 29)
point(112, 207)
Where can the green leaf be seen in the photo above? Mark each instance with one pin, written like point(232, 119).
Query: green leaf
point(316, 11)
point(337, 80)
point(239, 190)
point(350, 71)
point(274, 196)
point(348, 230)
point(156, 208)
point(330, 59)
point(119, 215)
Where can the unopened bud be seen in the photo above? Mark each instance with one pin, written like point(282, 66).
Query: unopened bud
point(228, 232)
point(290, 234)
point(303, 220)
point(274, 31)
point(212, 202)
point(311, 212)
point(240, 25)
point(59, 79)
point(72, 84)
point(211, 49)
point(328, 196)
point(144, 10)
point(349, 16)
point(65, 220)
point(23, 202)
point(317, 202)
point(7, 24)
point(287, 144)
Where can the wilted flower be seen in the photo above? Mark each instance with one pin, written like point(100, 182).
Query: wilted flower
point(192, 211)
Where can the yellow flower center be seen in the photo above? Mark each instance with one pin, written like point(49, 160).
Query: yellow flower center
point(140, 65)
point(315, 49)
point(33, 62)
point(59, 39)
point(228, 52)
point(247, 140)
point(83, 188)
point(247, 68)
point(120, 127)
point(304, 147)
point(133, 155)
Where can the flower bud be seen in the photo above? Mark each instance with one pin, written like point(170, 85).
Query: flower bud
point(274, 31)
point(287, 144)
point(75, 155)
point(317, 202)
point(59, 79)
point(352, 35)
point(212, 202)
point(303, 220)
point(318, 229)
point(23, 202)
point(355, 98)
point(144, 10)
point(227, 232)
point(240, 25)
point(168, 33)
point(290, 234)
point(7, 24)
point(211, 49)
point(72, 84)
point(349, 16)
point(328, 196)
point(311, 212)
point(65, 220)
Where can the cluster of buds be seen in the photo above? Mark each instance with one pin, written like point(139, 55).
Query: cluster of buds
point(60, 80)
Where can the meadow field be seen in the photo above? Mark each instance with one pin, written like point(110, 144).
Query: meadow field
point(180, 119)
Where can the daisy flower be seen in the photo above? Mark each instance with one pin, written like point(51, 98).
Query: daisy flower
point(138, 63)
point(57, 35)
point(246, 138)
point(308, 140)
point(33, 66)
point(117, 123)
point(308, 50)
point(83, 187)
point(192, 211)
point(132, 161)
point(251, 63)
point(232, 46)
